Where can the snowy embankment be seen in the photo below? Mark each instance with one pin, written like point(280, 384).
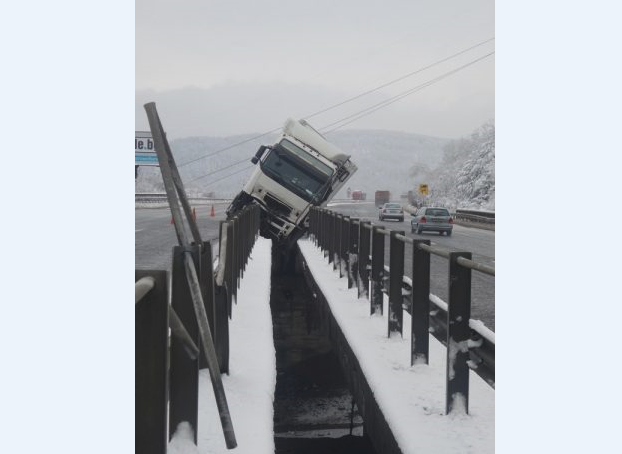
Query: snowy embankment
point(250, 384)
point(412, 398)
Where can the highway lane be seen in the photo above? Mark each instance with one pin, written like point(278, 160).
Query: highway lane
point(155, 235)
point(155, 238)
point(481, 243)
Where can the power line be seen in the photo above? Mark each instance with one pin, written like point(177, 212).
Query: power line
point(343, 102)
point(226, 176)
point(380, 105)
point(230, 146)
point(219, 170)
point(398, 79)
point(369, 110)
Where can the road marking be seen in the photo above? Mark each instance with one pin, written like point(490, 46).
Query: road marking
point(139, 230)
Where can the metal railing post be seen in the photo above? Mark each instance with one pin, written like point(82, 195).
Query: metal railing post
point(396, 265)
point(150, 371)
point(363, 268)
point(206, 282)
point(326, 233)
point(337, 235)
point(353, 245)
point(184, 371)
point(332, 236)
point(458, 333)
point(420, 309)
point(230, 272)
point(222, 299)
point(238, 255)
point(377, 270)
point(344, 242)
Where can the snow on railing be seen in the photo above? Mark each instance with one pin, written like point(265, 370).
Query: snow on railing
point(356, 249)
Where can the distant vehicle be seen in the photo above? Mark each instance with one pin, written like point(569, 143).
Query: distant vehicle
point(382, 197)
point(302, 169)
point(391, 211)
point(358, 195)
point(432, 219)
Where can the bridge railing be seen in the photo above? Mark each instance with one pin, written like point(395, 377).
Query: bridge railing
point(200, 302)
point(484, 217)
point(357, 249)
point(164, 394)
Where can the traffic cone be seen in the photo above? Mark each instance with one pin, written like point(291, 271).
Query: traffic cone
point(212, 213)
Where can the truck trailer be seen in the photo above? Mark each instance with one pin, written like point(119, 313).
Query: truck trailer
point(382, 197)
point(302, 169)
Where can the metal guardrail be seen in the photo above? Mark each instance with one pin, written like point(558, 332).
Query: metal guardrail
point(167, 378)
point(356, 248)
point(156, 197)
point(156, 386)
point(485, 217)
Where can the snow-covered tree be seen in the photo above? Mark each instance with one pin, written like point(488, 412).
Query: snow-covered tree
point(466, 176)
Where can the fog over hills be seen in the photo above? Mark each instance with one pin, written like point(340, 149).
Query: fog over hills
point(460, 173)
point(383, 159)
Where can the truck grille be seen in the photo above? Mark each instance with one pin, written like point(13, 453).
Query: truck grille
point(277, 206)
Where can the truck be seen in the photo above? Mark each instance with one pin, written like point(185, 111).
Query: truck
point(301, 170)
point(382, 197)
point(358, 195)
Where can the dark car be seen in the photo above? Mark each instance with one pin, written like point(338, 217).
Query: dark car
point(432, 219)
point(391, 211)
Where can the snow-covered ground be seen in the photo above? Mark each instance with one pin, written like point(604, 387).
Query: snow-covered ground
point(412, 398)
point(252, 372)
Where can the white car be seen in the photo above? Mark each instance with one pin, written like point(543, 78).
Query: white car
point(391, 211)
point(432, 219)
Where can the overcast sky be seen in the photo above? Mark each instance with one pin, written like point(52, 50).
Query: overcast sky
point(239, 66)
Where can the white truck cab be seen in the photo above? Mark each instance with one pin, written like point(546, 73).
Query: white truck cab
point(302, 169)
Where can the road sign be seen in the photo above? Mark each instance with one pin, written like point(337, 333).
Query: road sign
point(423, 189)
point(144, 149)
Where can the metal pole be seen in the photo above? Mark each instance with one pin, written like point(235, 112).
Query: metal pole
point(353, 245)
point(364, 247)
point(420, 310)
point(210, 353)
point(396, 265)
point(150, 370)
point(458, 332)
point(163, 150)
point(377, 270)
point(344, 242)
point(164, 160)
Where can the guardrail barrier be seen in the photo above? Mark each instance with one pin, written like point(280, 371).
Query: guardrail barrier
point(470, 345)
point(198, 315)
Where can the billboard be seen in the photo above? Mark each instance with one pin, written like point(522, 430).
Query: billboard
point(144, 150)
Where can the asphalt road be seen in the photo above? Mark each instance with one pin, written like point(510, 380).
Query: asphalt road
point(155, 235)
point(155, 238)
point(481, 243)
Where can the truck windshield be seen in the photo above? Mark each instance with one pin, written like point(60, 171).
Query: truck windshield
point(297, 170)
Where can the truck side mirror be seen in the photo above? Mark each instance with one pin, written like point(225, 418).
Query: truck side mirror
point(259, 154)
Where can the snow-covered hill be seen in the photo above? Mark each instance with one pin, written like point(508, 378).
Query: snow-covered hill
point(460, 173)
point(383, 159)
point(465, 178)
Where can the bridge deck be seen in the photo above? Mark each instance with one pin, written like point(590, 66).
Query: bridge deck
point(411, 399)
point(252, 378)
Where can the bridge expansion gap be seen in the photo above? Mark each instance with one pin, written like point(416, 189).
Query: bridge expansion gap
point(313, 408)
